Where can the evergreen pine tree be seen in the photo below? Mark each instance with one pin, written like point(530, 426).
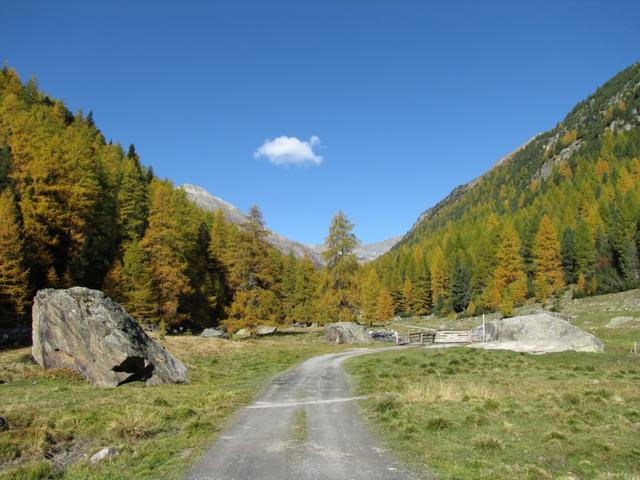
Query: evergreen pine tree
point(305, 299)
point(568, 255)
point(585, 251)
point(14, 287)
point(440, 280)
point(132, 201)
point(422, 302)
point(460, 287)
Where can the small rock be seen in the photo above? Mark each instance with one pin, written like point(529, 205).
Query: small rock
point(242, 333)
point(4, 424)
point(622, 322)
point(213, 333)
point(266, 330)
point(102, 454)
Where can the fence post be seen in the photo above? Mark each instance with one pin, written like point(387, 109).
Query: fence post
point(483, 329)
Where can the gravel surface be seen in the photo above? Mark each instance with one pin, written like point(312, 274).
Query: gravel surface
point(260, 444)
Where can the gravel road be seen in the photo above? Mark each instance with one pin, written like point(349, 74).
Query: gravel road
point(303, 426)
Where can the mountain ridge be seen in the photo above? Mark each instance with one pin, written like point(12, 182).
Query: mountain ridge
point(209, 202)
point(581, 177)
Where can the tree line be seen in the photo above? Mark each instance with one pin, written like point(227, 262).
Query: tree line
point(564, 210)
point(76, 209)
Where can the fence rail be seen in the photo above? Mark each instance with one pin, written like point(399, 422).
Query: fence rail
point(432, 337)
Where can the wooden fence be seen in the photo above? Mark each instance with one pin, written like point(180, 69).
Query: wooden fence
point(442, 336)
point(426, 336)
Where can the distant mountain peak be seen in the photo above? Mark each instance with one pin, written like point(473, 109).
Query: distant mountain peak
point(367, 252)
point(210, 203)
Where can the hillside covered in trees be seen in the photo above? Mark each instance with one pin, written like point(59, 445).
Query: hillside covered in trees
point(563, 209)
point(76, 209)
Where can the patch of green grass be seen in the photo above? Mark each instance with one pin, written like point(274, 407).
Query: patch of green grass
point(57, 420)
point(299, 427)
point(477, 414)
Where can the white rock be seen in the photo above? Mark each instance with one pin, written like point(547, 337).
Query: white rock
point(102, 454)
point(622, 322)
point(242, 333)
point(266, 329)
point(537, 333)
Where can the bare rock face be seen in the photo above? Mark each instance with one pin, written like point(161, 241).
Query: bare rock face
point(346, 332)
point(85, 331)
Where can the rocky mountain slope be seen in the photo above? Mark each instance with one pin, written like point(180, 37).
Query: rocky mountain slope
point(367, 252)
point(211, 203)
point(208, 202)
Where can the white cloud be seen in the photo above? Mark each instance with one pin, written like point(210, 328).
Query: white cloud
point(290, 150)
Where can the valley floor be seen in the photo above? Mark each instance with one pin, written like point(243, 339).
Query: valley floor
point(473, 414)
point(459, 413)
point(57, 420)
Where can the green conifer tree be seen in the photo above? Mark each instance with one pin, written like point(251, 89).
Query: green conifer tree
point(14, 277)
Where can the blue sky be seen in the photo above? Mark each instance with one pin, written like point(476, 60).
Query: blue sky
point(402, 100)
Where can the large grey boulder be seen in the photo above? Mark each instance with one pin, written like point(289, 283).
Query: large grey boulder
point(346, 332)
point(536, 333)
point(86, 331)
point(214, 333)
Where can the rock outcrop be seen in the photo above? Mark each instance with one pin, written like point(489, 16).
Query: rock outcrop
point(536, 333)
point(84, 330)
point(346, 332)
point(210, 203)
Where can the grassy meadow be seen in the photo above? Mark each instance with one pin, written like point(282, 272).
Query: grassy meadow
point(57, 420)
point(463, 413)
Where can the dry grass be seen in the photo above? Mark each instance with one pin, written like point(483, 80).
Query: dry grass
point(56, 420)
point(134, 424)
point(472, 414)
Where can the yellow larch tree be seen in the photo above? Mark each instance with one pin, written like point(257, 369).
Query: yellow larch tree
point(549, 276)
point(385, 305)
